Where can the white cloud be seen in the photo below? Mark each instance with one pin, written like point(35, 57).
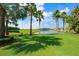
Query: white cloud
point(23, 25)
point(47, 14)
point(34, 25)
point(65, 10)
point(40, 6)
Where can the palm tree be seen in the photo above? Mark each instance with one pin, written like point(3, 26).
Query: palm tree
point(31, 9)
point(56, 15)
point(13, 16)
point(10, 15)
point(6, 18)
point(10, 12)
point(63, 16)
point(39, 16)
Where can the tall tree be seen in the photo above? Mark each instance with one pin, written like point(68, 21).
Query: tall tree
point(39, 16)
point(63, 16)
point(13, 13)
point(56, 16)
point(9, 15)
point(31, 9)
point(13, 16)
point(73, 19)
point(2, 21)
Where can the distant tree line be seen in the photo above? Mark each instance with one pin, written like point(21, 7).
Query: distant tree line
point(72, 20)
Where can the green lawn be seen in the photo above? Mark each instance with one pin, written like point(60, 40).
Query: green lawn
point(62, 44)
point(24, 31)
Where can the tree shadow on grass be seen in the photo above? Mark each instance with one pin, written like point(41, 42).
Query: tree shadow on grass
point(25, 48)
point(47, 40)
point(6, 41)
point(34, 44)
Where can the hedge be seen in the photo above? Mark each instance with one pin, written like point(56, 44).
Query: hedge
point(13, 29)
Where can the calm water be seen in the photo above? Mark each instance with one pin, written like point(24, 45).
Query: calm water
point(46, 32)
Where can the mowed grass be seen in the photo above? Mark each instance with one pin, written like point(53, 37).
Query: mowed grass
point(24, 31)
point(62, 44)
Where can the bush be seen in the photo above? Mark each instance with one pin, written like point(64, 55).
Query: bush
point(58, 29)
point(77, 29)
point(13, 29)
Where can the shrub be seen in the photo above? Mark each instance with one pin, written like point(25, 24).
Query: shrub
point(13, 29)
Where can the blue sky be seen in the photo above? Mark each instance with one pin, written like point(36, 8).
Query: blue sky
point(48, 9)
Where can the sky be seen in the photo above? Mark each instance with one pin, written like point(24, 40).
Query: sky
point(48, 10)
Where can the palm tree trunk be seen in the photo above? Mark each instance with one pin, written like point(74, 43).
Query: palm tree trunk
point(31, 24)
point(7, 27)
point(2, 21)
point(2, 26)
point(63, 25)
point(39, 26)
point(57, 25)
